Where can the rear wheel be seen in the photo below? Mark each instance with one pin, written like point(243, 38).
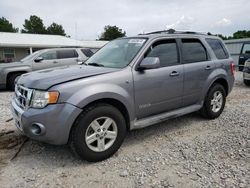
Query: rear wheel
point(11, 80)
point(214, 102)
point(98, 133)
point(247, 82)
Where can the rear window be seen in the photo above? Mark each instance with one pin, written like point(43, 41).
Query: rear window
point(64, 54)
point(218, 48)
point(193, 51)
point(87, 52)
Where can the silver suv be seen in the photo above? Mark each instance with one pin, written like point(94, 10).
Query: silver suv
point(42, 59)
point(130, 83)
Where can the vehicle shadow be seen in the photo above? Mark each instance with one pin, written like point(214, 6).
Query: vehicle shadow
point(62, 156)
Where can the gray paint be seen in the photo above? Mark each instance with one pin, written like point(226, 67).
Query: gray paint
point(150, 96)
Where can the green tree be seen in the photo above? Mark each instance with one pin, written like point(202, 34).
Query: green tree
point(222, 36)
point(56, 29)
point(241, 34)
point(34, 25)
point(6, 26)
point(112, 32)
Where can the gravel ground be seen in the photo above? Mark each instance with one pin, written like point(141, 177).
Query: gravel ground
point(184, 152)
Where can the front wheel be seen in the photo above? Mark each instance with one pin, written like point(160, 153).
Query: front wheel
point(98, 132)
point(214, 102)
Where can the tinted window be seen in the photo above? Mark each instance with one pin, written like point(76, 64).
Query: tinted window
point(63, 54)
point(246, 49)
point(49, 55)
point(193, 51)
point(166, 50)
point(87, 52)
point(218, 48)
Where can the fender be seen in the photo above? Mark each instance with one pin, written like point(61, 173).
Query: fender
point(8, 70)
point(95, 92)
point(215, 75)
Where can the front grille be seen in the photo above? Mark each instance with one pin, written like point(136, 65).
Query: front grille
point(23, 96)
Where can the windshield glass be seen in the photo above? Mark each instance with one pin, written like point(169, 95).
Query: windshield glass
point(28, 57)
point(118, 53)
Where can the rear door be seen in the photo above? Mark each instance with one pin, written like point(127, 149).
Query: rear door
point(159, 90)
point(67, 57)
point(197, 68)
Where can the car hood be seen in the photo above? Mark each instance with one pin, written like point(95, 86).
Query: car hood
point(12, 64)
point(44, 79)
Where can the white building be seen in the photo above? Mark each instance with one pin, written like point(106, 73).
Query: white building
point(15, 46)
point(234, 46)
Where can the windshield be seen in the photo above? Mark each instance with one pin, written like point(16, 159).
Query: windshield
point(31, 56)
point(117, 54)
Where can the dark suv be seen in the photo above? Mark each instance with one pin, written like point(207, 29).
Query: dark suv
point(130, 83)
point(244, 55)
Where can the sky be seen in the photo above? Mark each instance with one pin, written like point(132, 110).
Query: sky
point(85, 20)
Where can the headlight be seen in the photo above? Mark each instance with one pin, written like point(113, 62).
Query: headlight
point(40, 99)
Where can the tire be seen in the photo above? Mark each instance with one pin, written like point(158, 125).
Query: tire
point(210, 111)
point(247, 82)
point(11, 81)
point(84, 128)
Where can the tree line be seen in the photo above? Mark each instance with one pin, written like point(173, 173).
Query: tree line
point(32, 25)
point(35, 25)
point(237, 35)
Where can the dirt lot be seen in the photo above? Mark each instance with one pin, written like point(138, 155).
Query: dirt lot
point(184, 152)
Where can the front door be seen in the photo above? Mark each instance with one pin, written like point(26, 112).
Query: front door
point(49, 60)
point(159, 90)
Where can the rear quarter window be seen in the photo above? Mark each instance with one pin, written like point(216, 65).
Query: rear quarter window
point(87, 52)
point(218, 48)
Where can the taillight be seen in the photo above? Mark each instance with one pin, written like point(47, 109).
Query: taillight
point(232, 68)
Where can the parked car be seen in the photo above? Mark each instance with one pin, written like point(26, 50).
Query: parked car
point(246, 73)
point(244, 55)
point(41, 59)
point(130, 83)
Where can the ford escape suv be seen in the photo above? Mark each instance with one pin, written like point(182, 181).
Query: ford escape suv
point(130, 83)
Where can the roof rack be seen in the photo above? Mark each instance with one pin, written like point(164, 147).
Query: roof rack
point(172, 31)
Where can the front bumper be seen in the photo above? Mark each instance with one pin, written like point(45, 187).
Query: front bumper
point(246, 73)
point(55, 122)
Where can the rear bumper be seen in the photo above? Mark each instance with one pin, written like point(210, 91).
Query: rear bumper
point(54, 121)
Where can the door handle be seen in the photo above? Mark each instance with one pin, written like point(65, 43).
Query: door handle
point(55, 61)
point(174, 73)
point(208, 67)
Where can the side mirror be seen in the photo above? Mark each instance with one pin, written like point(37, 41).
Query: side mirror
point(150, 63)
point(38, 59)
point(80, 61)
point(247, 52)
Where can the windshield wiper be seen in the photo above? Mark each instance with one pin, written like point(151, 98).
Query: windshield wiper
point(96, 64)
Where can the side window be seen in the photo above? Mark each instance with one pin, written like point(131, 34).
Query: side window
point(49, 55)
point(166, 50)
point(218, 48)
point(193, 51)
point(246, 49)
point(87, 52)
point(64, 54)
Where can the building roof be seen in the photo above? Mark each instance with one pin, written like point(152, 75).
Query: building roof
point(231, 41)
point(43, 41)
